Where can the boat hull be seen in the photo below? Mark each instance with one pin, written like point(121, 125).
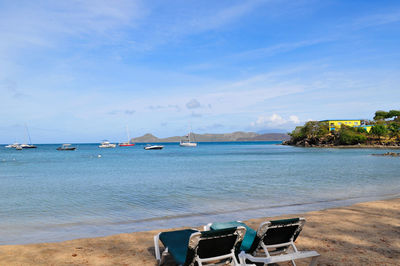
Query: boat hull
point(188, 144)
point(66, 149)
point(127, 145)
point(153, 147)
point(28, 146)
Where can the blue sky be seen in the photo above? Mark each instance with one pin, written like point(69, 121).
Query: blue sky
point(80, 71)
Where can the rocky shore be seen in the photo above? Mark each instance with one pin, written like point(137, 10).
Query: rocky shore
point(391, 154)
point(330, 143)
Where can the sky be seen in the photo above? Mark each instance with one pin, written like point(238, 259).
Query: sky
point(81, 71)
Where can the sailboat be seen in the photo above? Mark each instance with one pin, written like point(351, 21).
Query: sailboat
point(128, 143)
point(187, 141)
point(30, 145)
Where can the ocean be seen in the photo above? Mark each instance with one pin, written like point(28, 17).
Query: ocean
point(48, 195)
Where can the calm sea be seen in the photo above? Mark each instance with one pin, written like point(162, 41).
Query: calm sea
point(48, 195)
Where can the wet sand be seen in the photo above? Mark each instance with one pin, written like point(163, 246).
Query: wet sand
point(362, 234)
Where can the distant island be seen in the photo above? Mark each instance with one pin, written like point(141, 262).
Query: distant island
point(381, 132)
point(235, 136)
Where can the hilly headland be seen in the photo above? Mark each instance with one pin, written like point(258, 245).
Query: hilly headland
point(383, 131)
point(235, 136)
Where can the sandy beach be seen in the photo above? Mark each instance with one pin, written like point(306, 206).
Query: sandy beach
point(362, 234)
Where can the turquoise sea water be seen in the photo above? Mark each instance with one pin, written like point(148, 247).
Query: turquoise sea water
point(48, 195)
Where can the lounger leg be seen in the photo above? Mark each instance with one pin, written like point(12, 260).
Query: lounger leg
point(242, 259)
point(294, 263)
point(314, 261)
point(165, 253)
point(159, 258)
point(198, 261)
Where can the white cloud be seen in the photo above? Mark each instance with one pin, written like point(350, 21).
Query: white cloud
point(275, 121)
point(294, 119)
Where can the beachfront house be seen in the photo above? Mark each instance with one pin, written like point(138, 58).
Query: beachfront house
point(336, 124)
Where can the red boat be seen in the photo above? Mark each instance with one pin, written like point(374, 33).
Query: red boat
point(125, 144)
point(128, 143)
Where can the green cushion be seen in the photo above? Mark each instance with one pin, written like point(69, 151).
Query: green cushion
point(248, 237)
point(177, 243)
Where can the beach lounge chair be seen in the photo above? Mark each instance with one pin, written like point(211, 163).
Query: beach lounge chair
point(273, 242)
point(192, 247)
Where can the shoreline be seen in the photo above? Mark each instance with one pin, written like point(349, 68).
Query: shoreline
point(363, 233)
point(85, 230)
point(377, 147)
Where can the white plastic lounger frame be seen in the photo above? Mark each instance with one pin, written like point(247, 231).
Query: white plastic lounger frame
point(194, 240)
point(289, 254)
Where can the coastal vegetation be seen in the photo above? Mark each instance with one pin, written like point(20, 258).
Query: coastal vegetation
point(383, 130)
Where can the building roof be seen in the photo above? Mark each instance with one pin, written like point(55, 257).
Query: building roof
point(341, 120)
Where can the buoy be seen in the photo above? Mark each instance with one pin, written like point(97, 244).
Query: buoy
point(99, 156)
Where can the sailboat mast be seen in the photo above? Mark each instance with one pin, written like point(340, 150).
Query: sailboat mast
point(27, 132)
point(127, 133)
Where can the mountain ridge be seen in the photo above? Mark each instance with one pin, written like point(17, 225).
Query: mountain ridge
point(208, 137)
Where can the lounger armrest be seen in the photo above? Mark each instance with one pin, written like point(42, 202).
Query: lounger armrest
point(280, 258)
point(207, 227)
point(157, 247)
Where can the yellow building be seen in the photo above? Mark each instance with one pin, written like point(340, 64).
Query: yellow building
point(336, 124)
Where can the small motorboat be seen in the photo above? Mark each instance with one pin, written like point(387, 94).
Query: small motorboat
point(18, 147)
point(153, 147)
point(66, 147)
point(107, 144)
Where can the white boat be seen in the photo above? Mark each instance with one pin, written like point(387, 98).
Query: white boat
point(107, 144)
point(153, 147)
point(14, 145)
point(187, 141)
point(188, 144)
point(18, 147)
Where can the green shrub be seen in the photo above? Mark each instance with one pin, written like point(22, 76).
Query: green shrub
point(350, 136)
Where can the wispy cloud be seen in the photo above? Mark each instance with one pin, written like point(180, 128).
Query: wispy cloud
point(279, 48)
point(193, 104)
point(46, 23)
point(11, 87)
point(194, 114)
point(377, 19)
point(119, 112)
point(163, 107)
point(222, 17)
